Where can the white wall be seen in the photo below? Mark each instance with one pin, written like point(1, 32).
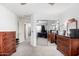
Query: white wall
point(33, 33)
point(21, 30)
point(8, 20)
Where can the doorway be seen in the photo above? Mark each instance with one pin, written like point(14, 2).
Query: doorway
point(27, 32)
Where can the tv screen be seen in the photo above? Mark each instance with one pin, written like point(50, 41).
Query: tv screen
point(74, 33)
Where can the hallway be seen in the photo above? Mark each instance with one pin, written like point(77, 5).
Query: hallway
point(25, 49)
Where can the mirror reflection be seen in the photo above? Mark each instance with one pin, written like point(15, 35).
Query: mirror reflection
point(44, 30)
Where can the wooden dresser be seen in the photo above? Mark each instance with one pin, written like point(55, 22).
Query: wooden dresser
point(7, 43)
point(51, 37)
point(68, 46)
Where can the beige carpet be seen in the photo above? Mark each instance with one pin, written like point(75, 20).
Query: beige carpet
point(42, 41)
point(25, 49)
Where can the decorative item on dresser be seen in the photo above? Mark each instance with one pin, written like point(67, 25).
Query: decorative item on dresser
point(68, 46)
point(7, 43)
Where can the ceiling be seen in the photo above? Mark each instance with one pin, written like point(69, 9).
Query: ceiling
point(35, 8)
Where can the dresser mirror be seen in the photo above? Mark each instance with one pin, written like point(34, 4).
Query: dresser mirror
point(44, 27)
point(71, 24)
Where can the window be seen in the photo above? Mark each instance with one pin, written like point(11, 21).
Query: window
point(38, 28)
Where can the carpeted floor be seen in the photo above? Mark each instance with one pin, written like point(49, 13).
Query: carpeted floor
point(42, 41)
point(25, 49)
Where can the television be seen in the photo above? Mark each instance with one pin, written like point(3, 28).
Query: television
point(74, 33)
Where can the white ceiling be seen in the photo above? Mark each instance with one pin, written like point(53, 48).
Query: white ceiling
point(32, 8)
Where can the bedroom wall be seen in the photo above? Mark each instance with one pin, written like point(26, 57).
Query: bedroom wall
point(8, 20)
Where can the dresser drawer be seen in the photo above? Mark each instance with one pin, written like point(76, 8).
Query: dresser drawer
point(9, 49)
point(8, 43)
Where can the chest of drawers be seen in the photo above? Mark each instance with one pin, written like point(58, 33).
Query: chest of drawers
point(68, 46)
point(51, 37)
point(7, 43)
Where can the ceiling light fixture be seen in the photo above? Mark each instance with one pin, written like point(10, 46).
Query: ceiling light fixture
point(51, 3)
point(23, 3)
